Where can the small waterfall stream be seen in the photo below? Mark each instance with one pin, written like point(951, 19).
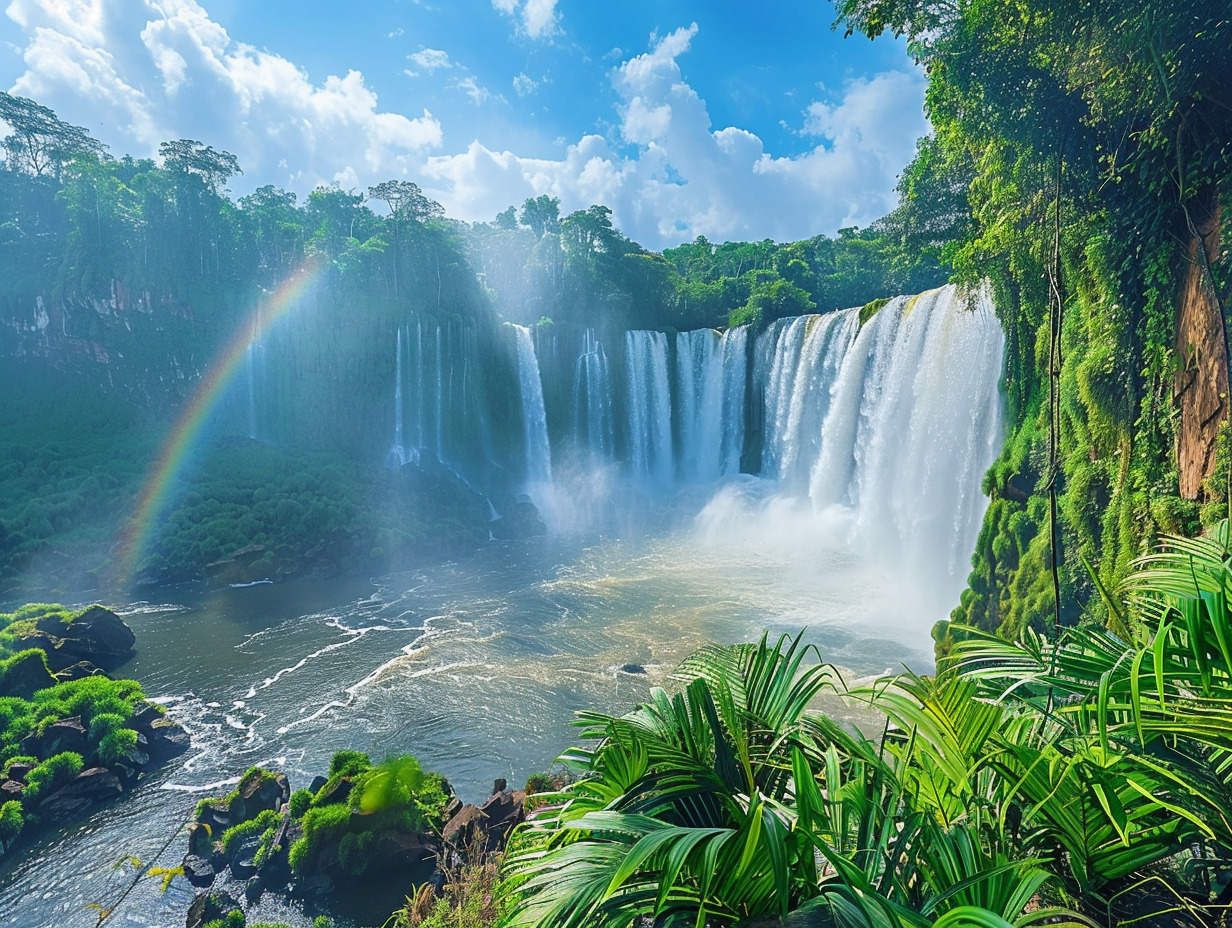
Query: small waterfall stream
point(534, 416)
point(649, 421)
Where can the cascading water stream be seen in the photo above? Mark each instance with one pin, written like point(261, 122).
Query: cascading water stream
point(592, 399)
point(648, 408)
point(534, 416)
point(734, 362)
point(699, 403)
point(398, 452)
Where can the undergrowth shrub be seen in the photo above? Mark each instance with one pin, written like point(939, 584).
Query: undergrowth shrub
point(51, 774)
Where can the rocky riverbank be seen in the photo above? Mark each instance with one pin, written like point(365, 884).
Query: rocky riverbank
point(71, 737)
point(388, 825)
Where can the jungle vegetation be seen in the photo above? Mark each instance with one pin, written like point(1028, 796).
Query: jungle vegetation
point(1078, 779)
point(1081, 162)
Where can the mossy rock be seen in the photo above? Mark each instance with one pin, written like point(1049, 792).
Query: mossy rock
point(25, 673)
point(871, 308)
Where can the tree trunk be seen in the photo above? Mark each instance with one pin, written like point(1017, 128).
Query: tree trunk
point(1201, 384)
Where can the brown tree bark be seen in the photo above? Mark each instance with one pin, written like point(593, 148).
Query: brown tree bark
point(1201, 384)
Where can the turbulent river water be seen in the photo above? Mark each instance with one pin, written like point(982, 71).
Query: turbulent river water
point(476, 667)
point(875, 440)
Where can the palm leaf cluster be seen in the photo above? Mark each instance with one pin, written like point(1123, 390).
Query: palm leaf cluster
point(1024, 783)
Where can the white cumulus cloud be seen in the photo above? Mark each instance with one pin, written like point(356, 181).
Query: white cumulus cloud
point(431, 59)
point(685, 178)
point(524, 84)
point(477, 93)
point(137, 72)
point(537, 18)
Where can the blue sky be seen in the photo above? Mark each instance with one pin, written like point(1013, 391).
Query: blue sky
point(726, 119)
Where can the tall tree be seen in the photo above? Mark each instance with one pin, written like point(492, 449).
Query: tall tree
point(187, 156)
point(41, 143)
point(541, 215)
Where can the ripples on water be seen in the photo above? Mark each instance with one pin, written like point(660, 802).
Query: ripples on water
point(476, 667)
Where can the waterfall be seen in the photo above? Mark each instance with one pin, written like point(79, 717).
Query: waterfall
point(592, 399)
point(699, 391)
point(648, 408)
point(534, 417)
point(420, 391)
point(734, 365)
point(398, 452)
point(440, 399)
point(913, 424)
point(878, 432)
point(806, 357)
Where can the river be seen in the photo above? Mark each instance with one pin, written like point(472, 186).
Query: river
point(474, 666)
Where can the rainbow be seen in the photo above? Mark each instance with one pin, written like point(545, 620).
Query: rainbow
point(176, 450)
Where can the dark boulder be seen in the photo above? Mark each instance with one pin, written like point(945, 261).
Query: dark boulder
point(317, 782)
point(201, 838)
point(632, 668)
point(209, 907)
point(519, 519)
point(101, 637)
point(65, 735)
point(198, 871)
point(461, 830)
point(258, 791)
point(243, 858)
point(19, 771)
point(98, 784)
point(97, 635)
point(167, 739)
point(215, 817)
point(503, 811)
point(11, 789)
point(337, 789)
point(485, 828)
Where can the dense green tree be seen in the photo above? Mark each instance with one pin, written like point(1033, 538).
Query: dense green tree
point(188, 156)
point(273, 222)
point(541, 215)
point(41, 143)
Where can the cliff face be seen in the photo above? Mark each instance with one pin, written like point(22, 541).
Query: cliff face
point(1201, 381)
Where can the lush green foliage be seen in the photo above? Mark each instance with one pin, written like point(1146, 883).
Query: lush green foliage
point(1023, 782)
point(31, 700)
point(11, 820)
point(236, 835)
point(52, 773)
point(1078, 146)
point(349, 764)
point(393, 796)
point(300, 802)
